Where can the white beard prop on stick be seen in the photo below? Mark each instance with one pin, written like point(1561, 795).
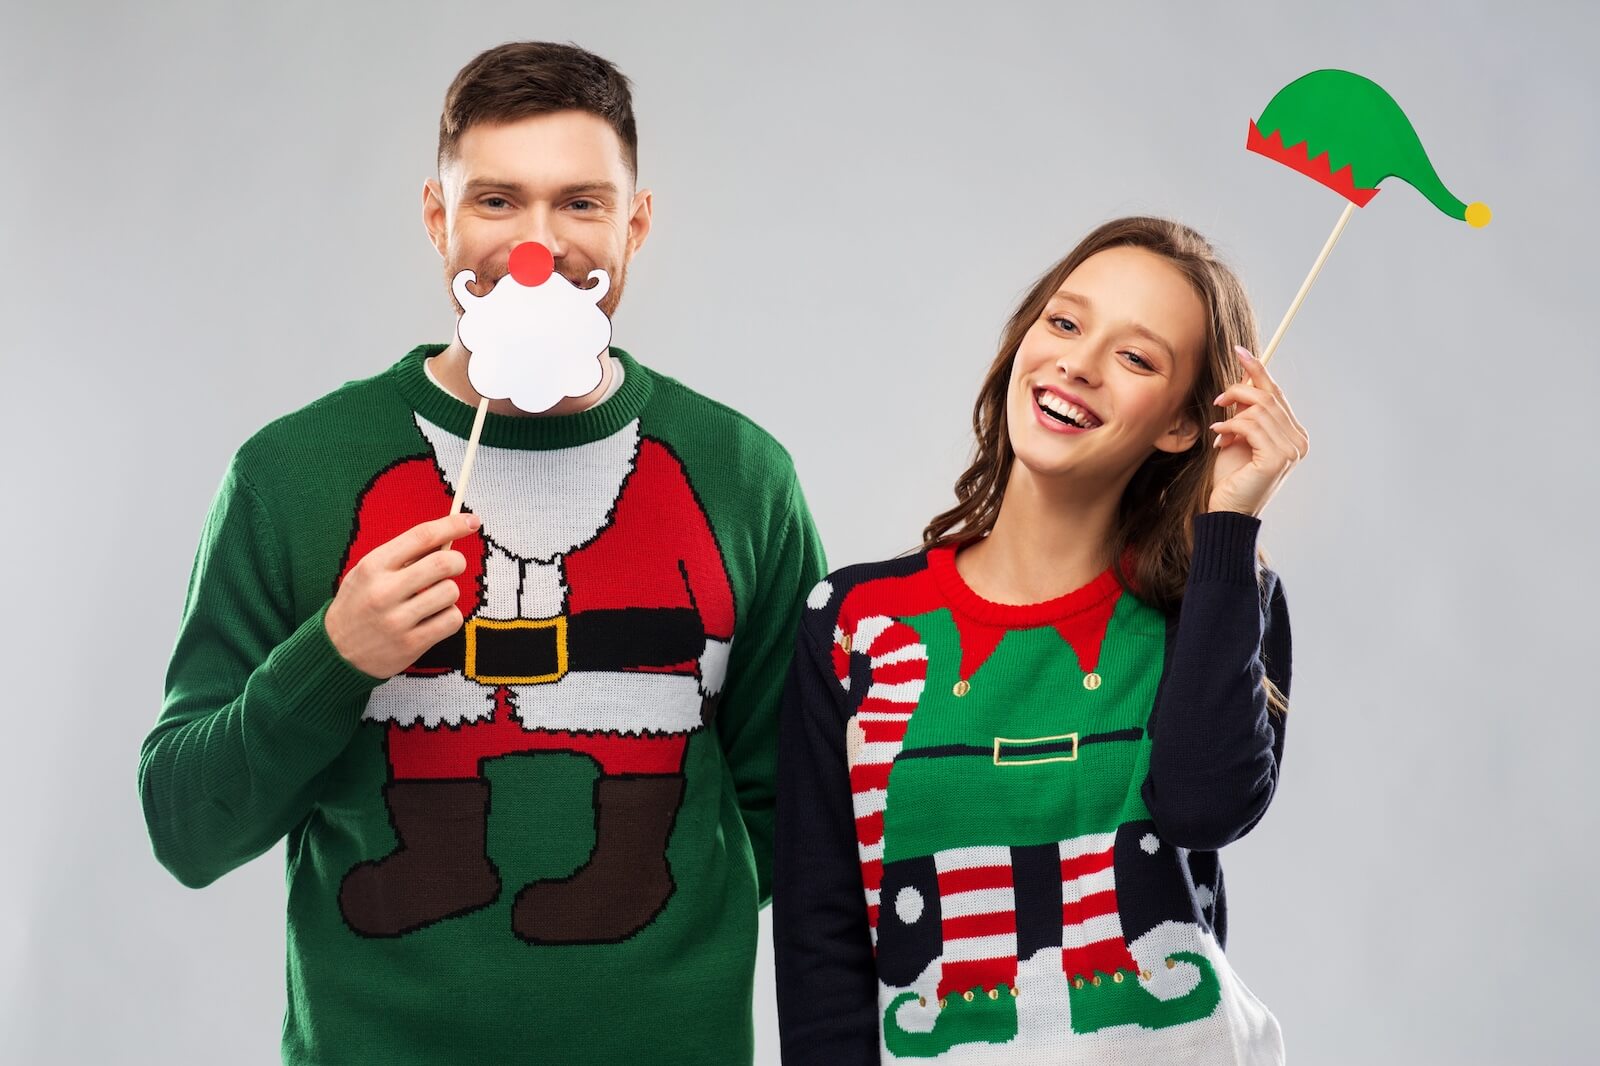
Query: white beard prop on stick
point(535, 339)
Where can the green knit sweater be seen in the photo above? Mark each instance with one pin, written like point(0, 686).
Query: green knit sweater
point(548, 839)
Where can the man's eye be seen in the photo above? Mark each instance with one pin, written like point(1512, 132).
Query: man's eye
point(495, 202)
point(582, 205)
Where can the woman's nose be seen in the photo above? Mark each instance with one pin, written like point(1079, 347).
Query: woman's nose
point(1081, 363)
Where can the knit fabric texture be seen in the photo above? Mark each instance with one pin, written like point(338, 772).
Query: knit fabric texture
point(998, 824)
point(547, 840)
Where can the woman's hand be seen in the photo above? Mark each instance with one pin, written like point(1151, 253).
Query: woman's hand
point(1259, 445)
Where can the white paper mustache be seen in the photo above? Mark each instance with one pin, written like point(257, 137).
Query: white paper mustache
point(537, 343)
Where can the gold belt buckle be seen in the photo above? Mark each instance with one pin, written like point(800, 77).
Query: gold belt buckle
point(558, 623)
point(1072, 757)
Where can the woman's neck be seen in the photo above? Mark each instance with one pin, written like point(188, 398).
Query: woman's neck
point(1048, 539)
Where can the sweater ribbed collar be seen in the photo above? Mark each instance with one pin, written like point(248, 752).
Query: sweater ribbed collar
point(961, 596)
point(534, 432)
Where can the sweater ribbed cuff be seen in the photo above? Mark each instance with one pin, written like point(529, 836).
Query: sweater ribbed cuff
point(321, 688)
point(1224, 547)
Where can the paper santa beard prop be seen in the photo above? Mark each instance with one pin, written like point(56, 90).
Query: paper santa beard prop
point(535, 338)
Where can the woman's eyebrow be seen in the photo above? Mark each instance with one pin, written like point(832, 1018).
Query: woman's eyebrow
point(1133, 327)
point(1152, 336)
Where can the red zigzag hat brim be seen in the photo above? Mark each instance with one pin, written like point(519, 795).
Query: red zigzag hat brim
point(1320, 169)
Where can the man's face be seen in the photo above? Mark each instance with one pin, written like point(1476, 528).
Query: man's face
point(557, 178)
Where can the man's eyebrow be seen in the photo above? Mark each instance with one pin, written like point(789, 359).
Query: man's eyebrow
point(480, 185)
point(477, 186)
point(1143, 331)
point(591, 188)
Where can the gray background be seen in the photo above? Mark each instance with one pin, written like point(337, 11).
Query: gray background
point(211, 218)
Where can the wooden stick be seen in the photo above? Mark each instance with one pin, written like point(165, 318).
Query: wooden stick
point(472, 453)
point(1333, 239)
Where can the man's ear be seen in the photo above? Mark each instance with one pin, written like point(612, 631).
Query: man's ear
point(639, 220)
point(434, 216)
point(1180, 437)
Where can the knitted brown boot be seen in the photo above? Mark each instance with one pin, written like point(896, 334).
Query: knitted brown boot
point(625, 883)
point(440, 869)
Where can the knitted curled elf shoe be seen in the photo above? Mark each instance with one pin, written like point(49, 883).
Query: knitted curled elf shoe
point(1124, 998)
point(974, 1016)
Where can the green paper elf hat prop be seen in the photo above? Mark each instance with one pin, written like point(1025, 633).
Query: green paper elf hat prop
point(1346, 132)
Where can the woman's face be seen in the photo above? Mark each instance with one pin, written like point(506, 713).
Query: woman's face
point(1102, 377)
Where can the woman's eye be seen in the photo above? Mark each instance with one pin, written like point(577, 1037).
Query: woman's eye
point(1138, 360)
point(1063, 324)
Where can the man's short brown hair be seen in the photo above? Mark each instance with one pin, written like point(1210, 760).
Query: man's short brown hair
point(524, 78)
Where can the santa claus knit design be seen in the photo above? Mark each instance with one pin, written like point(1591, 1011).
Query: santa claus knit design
point(1034, 797)
point(562, 812)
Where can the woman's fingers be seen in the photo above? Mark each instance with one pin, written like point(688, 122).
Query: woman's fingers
point(1256, 371)
point(1273, 441)
point(1261, 393)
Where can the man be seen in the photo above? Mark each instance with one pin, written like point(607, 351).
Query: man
point(524, 755)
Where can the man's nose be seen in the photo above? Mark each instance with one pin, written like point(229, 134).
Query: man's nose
point(538, 228)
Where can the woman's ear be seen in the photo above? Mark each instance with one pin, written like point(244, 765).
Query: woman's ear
point(1182, 434)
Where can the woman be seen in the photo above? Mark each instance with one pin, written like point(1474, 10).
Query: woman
point(1008, 760)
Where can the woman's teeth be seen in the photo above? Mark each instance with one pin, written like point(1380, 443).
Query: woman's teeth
point(1069, 413)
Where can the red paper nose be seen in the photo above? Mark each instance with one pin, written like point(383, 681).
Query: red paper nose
point(531, 263)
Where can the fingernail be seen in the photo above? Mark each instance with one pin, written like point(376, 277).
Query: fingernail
point(1218, 401)
point(1218, 442)
point(473, 522)
point(1244, 353)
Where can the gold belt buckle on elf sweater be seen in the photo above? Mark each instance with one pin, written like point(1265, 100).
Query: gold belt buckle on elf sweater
point(1070, 756)
point(476, 625)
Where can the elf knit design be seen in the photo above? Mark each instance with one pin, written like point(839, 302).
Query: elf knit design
point(568, 801)
point(1022, 901)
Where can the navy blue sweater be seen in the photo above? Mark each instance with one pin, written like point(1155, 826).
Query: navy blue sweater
point(890, 946)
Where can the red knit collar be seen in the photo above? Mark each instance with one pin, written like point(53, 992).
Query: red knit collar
point(942, 565)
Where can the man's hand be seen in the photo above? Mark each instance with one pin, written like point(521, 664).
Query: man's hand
point(400, 599)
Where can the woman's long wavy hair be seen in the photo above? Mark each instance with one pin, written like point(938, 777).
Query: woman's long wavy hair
point(1152, 541)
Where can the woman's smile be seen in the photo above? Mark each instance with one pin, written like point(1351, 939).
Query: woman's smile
point(1061, 413)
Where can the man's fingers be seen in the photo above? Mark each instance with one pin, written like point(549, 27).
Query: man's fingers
point(439, 625)
point(419, 540)
point(442, 564)
point(430, 601)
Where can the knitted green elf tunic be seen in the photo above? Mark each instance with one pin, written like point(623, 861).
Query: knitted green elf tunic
point(998, 824)
point(546, 840)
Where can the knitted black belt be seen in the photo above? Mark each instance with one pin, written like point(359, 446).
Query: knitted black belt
point(1020, 752)
point(528, 651)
